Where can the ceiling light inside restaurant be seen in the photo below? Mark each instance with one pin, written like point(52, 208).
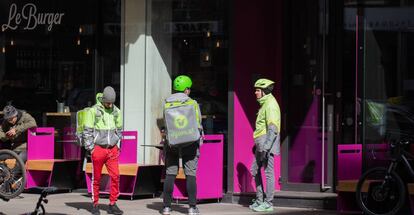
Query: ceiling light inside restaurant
point(3, 50)
point(78, 42)
point(208, 34)
point(12, 42)
point(87, 51)
point(80, 30)
point(218, 44)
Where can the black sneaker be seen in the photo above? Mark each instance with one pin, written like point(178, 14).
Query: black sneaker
point(95, 210)
point(113, 209)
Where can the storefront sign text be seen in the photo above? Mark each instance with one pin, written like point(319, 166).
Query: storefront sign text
point(192, 27)
point(30, 18)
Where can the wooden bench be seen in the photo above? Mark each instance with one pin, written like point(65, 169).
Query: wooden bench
point(135, 179)
point(124, 169)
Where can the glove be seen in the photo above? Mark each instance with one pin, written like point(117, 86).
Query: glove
point(262, 155)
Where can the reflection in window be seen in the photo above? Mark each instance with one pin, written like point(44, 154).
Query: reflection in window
point(200, 50)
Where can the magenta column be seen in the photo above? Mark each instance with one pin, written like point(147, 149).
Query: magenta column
point(256, 52)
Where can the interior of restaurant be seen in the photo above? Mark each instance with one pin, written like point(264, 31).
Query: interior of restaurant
point(64, 65)
point(48, 67)
point(200, 50)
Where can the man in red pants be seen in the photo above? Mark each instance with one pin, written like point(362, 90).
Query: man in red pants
point(102, 135)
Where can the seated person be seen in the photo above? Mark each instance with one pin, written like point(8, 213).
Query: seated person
point(13, 131)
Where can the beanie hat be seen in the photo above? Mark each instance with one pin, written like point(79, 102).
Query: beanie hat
point(9, 112)
point(109, 95)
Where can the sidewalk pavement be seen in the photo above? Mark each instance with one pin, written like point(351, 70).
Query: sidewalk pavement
point(79, 203)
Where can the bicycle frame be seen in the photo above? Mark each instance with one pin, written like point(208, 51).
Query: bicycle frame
point(401, 155)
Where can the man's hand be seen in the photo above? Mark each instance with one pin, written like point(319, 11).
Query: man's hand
point(11, 132)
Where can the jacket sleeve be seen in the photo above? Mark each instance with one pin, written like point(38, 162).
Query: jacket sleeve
point(272, 119)
point(88, 133)
point(271, 136)
point(118, 124)
point(3, 136)
point(27, 122)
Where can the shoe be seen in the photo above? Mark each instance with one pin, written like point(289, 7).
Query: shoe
point(193, 211)
point(264, 207)
point(255, 203)
point(95, 210)
point(166, 211)
point(113, 209)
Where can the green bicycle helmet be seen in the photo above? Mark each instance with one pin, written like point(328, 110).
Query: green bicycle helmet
point(181, 83)
point(263, 83)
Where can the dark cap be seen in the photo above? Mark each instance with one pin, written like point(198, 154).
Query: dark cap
point(9, 112)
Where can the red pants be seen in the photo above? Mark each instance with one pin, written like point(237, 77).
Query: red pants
point(109, 157)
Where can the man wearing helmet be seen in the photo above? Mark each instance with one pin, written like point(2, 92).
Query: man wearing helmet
point(189, 154)
point(266, 138)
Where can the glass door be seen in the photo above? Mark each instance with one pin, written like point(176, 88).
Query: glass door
point(308, 110)
point(378, 44)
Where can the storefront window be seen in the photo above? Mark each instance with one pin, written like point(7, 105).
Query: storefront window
point(57, 51)
point(200, 50)
point(379, 51)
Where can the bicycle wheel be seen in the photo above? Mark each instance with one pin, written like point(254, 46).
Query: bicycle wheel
point(380, 195)
point(12, 174)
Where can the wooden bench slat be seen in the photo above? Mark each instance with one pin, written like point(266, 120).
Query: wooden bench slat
point(181, 174)
point(124, 169)
point(41, 165)
point(10, 163)
point(350, 186)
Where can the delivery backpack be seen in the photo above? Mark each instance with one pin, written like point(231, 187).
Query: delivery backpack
point(80, 123)
point(181, 122)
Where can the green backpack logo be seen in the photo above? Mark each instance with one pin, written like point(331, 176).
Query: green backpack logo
point(180, 121)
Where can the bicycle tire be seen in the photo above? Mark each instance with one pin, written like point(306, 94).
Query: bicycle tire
point(19, 164)
point(376, 201)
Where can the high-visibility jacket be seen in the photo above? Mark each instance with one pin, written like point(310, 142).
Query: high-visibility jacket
point(102, 126)
point(267, 132)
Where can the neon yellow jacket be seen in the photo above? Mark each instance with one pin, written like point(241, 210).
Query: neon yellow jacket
point(267, 130)
point(102, 127)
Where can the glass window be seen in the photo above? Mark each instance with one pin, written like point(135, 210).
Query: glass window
point(57, 51)
point(200, 50)
point(378, 48)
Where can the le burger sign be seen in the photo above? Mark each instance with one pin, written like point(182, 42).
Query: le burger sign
point(29, 18)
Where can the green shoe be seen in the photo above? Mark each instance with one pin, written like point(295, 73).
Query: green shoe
point(264, 207)
point(255, 203)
